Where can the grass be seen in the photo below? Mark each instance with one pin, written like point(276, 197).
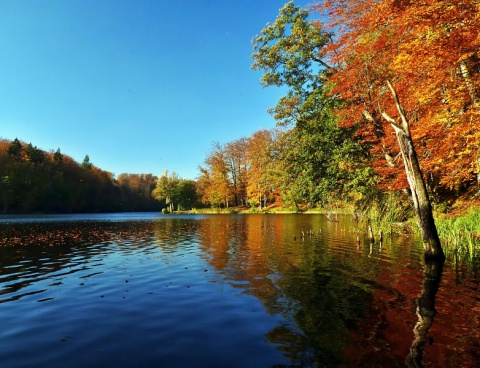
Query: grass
point(244, 210)
point(389, 216)
point(214, 211)
point(461, 235)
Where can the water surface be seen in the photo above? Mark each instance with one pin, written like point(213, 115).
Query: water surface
point(151, 290)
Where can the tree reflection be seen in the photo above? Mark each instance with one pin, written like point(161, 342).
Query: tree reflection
point(425, 311)
point(318, 295)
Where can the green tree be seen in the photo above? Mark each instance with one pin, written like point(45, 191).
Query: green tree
point(57, 156)
point(86, 164)
point(34, 155)
point(288, 52)
point(186, 193)
point(324, 162)
point(167, 189)
point(15, 149)
point(320, 160)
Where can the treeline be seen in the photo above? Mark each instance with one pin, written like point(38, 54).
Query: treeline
point(33, 180)
point(372, 87)
point(306, 166)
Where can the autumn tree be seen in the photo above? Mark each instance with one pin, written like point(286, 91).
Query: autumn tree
point(136, 191)
point(235, 153)
point(203, 181)
point(260, 156)
point(409, 68)
point(215, 178)
point(33, 180)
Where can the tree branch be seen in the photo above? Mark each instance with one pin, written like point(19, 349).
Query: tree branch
point(401, 111)
point(323, 63)
point(391, 121)
point(368, 116)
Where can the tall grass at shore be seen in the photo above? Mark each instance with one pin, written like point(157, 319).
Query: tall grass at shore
point(388, 216)
point(460, 235)
point(213, 211)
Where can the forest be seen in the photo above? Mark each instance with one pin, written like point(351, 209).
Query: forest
point(382, 102)
point(360, 75)
point(35, 181)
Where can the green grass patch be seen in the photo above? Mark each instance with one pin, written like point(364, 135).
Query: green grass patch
point(389, 215)
point(461, 235)
point(214, 211)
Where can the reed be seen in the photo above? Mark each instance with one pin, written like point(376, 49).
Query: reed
point(461, 235)
point(388, 215)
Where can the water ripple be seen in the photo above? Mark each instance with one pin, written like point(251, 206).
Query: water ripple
point(202, 291)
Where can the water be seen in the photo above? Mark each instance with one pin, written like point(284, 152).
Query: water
point(152, 290)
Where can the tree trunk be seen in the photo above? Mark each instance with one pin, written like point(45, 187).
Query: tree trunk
point(478, 170)
point(472, 91)
point(421, 201)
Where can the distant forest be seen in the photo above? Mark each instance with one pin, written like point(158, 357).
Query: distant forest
point(35, 181)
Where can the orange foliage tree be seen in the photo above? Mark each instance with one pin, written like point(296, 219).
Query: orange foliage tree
point(429, 51)
point(214, 181)
point(235, 155)
point(261, 185)
point(241, 172)
point(419, 61)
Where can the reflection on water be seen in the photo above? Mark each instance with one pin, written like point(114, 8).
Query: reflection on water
point(425, 311)
point(211, 291)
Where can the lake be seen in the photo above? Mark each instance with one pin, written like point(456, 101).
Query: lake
point(153, 290)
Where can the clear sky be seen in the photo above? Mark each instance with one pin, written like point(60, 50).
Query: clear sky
point(140, 86)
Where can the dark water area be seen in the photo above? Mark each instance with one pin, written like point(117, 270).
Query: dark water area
point(152, 290)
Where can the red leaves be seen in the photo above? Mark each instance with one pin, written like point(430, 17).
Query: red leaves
point(429, 49)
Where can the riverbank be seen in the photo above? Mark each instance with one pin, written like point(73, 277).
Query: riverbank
point(459, 229)
point(245, 210)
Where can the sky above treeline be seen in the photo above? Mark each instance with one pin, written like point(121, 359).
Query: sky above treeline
point(140, 86)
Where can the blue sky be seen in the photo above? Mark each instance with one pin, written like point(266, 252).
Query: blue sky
point(139, 86)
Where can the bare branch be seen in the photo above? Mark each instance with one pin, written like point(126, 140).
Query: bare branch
point(391, 121)
point(401, 111)
point(368, 116)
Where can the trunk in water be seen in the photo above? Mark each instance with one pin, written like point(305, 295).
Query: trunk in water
point(421, 201)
